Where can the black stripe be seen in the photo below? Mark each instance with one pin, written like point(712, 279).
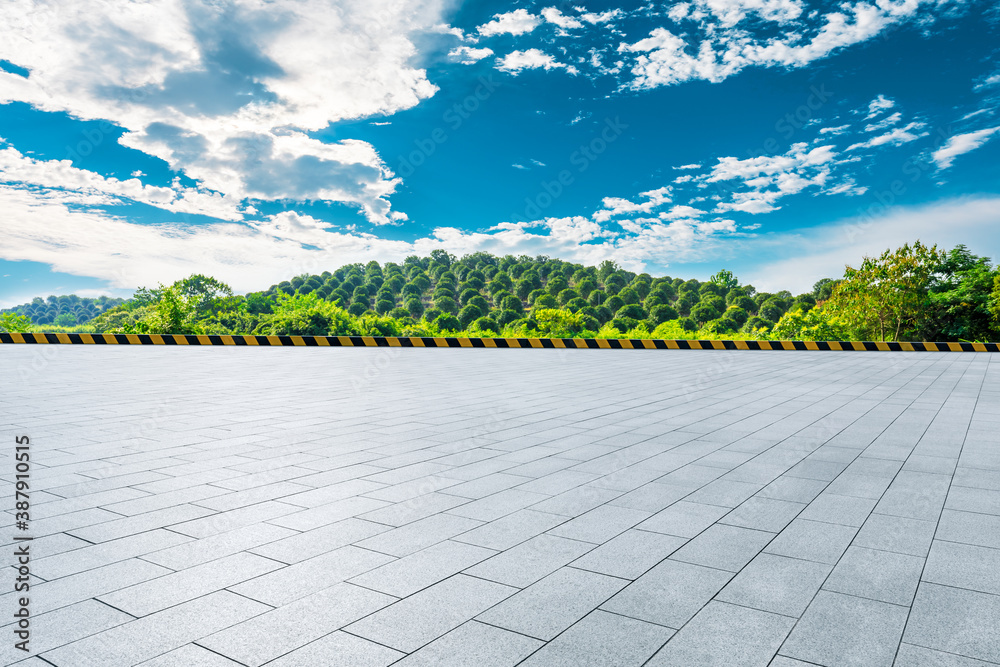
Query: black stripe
point(523, 342)
point(406, 341)
point(478, 342)
point(286, 341)
point(192, 339)
point(215, 340)
point(28, 338)
point(592, 344)
point(453, 342)
point(895, 347)
point(98, 339)
point(122, 339)
point(356, 341)
point(169, 339)
point(659, 344)
point(144, 339)
point(967, 347)
point(502, 343)
point(919, 347)
point(729, 344)
point(568, 343)
point(753, 345)
point(992, 347)
point(240, 340)
point(6, 338)
point(870, 346)
point(310, 341)
point(52, 338)
point(799, 345)
point(823, 345)
point(705, 344)
point(637, 344)
point(381, 341)
point(547, 343)
point(684, 345)
point(614, 343)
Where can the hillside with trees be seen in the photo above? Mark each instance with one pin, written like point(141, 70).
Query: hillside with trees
point(913, 293)
point(64, 311)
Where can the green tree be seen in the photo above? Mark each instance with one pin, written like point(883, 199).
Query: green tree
point(725, 279)
point(887, 297)
point(14, 323)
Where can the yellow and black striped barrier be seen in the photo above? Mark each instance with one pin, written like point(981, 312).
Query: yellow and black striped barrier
point(536, 343)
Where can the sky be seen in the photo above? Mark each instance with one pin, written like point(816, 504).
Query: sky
point(256, 140)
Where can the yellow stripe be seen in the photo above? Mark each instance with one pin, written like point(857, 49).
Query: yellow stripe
point(465, 342)
point(979, 347)
point(954, 347)
point(394, 342)
point(64, 338)
point(811, 345)
point(603, 344)
point(742, 345)
point(204, 340)
point(557, 343)
point(274, 340)
point(907, 347)
point(489, 342)
point(440, 342)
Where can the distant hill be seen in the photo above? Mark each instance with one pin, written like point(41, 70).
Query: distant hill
point(66, 310)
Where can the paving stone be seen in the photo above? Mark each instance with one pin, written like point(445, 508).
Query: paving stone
point(551, 605)
point(473, 643)
point(339, 649)
point(419, 535)
point(898, 534)
point(843, 510)
point(967, 499)
point(776, 584)
point(684, 519)
point(812, 540)
point(842, 630)
point(726, 634)
point(295, 581)
point(296, 624)
point(131, 643)
point(669, 594)
point(964, 566)
point(602, 640)
point(512, 529)
point(190, 655)
point(630, 554)
point(201, 551)
point(918, 656)
point(877, 575)
point(956, 621)
point(419, 619)
point(158, 594)
point(601, 524)
point(303, 546)
point(529, 561)
point(969, 528)
point(62, 627)
point(768, 514)
point(409, 574)
point(723, 547)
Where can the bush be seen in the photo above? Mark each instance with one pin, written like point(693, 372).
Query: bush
point(414, 307)
point(597, 297)
point(567, 295)
point(737, 315)
point(662, 313)
point(705, 312)
point(384, 306)
point(687, 324)
point(507, 316)
point(466, 295)
point(756, 324)
point(624, 323)
point(576, 305)
point(512, 303)
point(614, 304)
point(629, 296)
point(399, 313)
point(308, 315)
point(813, 325)
point(633, 311)
point(14, 323)
point(485, 325)
point(545, 301)
point(447, 322)
point(357, 309)
point(446, 304)
point(470, 314)
point(744, 302)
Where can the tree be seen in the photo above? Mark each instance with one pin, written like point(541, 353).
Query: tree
point(886, 297)
point(725, 279)
point(662, 313)
point(14, 323)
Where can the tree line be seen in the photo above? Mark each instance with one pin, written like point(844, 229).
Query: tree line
point(915, 292)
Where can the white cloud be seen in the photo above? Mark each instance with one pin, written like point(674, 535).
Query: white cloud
point(839, 129)
point(556, 17)
point(720, 47)
point(616, 206)
point(468, 55)
point(516, 61)
point(603, 17)
point(689, 166)
point(769, 178)
point(224, 92)
point(62, 175)
point(961, 144)
point(878, 105)
point(254, 255)
point(897, 137)
point(681, 211)
point(516, 22)
point(888, 121)
point(803, 256)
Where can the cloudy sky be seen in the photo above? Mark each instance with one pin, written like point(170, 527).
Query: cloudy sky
point(255, 140)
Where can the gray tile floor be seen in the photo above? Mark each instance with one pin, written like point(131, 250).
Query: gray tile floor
point(372, 507)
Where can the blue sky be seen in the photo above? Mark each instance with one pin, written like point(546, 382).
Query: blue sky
point(252, 141)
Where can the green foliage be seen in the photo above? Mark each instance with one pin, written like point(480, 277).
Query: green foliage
point(307, 315)
point(816, 324)
point(14, 323)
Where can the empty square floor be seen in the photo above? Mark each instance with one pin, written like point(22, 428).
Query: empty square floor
point(230, 506)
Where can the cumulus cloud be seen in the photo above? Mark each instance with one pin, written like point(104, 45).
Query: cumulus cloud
point(616, 206)
point(556, 17)
point(516, 61)
point(839, 129)
point(718, 39)
point(517, 22)
point(225, 91)
point(768, 178)
point(961, 144)
point(888, 121)
point(468, 55)
point(878, 105)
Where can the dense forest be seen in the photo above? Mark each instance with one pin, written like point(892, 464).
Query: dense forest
point(64, 311)
point(915, 292)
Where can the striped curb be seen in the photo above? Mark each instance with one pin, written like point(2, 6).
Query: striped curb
point(538, 343)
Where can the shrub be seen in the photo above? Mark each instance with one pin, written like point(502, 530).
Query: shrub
point(486, 325)
point(545, 301)
point(308, 315)
point(469, 314)
point(687, 324)
point(597, 297)
point(614, 304)
point(633, 311)
point(661, 313)
point(447, 322)
point(737, 315)
point(705, 312)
